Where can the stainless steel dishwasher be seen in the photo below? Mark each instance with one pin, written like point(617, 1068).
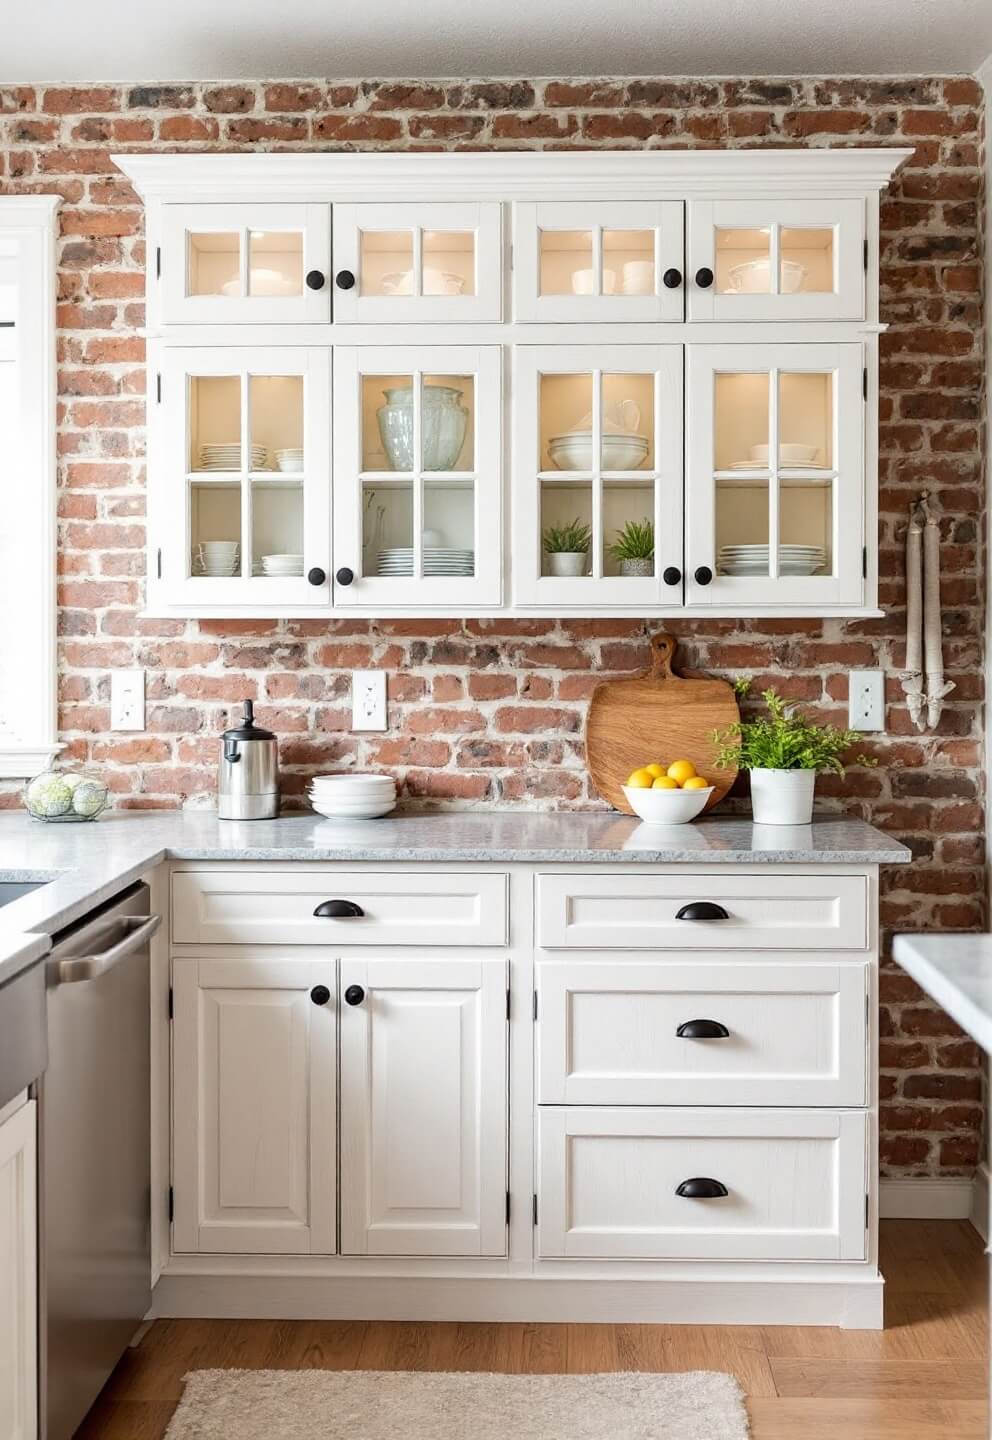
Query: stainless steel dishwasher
point(95, 1282)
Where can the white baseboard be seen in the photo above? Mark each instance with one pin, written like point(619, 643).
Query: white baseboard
point(980, 1201)
point(923, 1198)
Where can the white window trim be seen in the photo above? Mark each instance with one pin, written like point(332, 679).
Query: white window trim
point(35, 219)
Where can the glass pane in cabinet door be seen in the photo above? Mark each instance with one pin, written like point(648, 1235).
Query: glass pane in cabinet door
point(565, 439)
point(277, 529)
point(449, 528)
point(806, 260)
point(628, 422)
point(628, 529)
point(387, 422)
point(742, 529)
point(628, 262)
point(566, 263)
point(387, 262)
point(215, 528)
point(448, 422)
point(448, 262)
point(275, 422)
point(275, 262)
point(566, 528)
point(215, 422)
point(805, 421)
point(743, 262)
point(387, 527)
point(740, 413)
point(213, 264)
point(806, 526)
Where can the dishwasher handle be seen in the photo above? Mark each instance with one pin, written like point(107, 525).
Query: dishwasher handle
point(137, 930)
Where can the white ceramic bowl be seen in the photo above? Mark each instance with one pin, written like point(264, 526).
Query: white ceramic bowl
point(620, 452)
point(787, 454)
point(584, 281)
point(754, 277)
point(667, 807)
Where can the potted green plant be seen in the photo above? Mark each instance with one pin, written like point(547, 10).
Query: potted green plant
point(634, 548)
point(567, 547)
point(784, 751)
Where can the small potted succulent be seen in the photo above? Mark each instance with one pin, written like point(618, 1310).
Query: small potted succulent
point(567, 547)
point(784, 751)
point(634, 548)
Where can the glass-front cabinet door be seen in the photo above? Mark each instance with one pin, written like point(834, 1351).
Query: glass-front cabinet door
point(597, 500)
point(775, 475)
point(417, 510)
point(243, 438)
point(409, 262)
point(619, 260)
point(776, 259)
point(239, 264)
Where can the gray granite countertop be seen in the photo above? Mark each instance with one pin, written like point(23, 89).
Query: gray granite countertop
point(87, 864)
point(956, 971)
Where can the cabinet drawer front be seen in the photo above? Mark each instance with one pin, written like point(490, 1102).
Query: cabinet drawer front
point(794, 1182)
point(426, 908)
point(764, 911)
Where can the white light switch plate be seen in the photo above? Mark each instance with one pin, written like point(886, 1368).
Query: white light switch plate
point(368, 700)
point(866, 700)
point(127, 699)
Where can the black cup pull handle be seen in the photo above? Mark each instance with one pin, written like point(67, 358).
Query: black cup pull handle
point(672, 279)
point(354, 995)
point(702, 910)
point(701, 1188)
point(704, 278)
point(345, 280)
point(702, 1030)
point(316, 279)
point(338, 910)
point(320, 994)
point(671, 575)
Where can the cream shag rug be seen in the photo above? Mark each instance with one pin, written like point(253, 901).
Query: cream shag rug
point(420, 1405)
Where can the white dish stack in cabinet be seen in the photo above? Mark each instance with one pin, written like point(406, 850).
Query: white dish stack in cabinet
point(425, 363)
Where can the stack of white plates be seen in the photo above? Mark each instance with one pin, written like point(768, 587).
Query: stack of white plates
point(353, 796)
point(217, 557)
point(753, 559)
point(291, 459)
point(228, 457)
point(438, 560)
point(282, 564)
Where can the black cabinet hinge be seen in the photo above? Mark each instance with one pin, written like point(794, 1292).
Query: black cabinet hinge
point(158, 389)
point(172, 1001)
point(535, 1209)
point(864, 562)
point(864, 382)
point(507, 1002)
point(866, 254)
point(158, 562)
point(158, 262)
point(867, 1208)
point(507, 1207)
point(535, 1004)
point(172, 1204)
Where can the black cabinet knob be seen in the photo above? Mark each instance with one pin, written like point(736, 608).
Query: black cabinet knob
point(672, 575)
point(338, 910)
point(704, 278)
point(702, 910)
point(344, 576)
point(354, 995)
point(672, 279)
point(316, 576)
point(700, 1188)
point(702, 1030)
point(316, 279)
point(703, 575)
point(345, 280)
point(320, 994)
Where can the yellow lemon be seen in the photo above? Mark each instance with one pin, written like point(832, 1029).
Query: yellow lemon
point(655, 770)
point(681, 771)
point(665, 782)
point(641, 780)
point(695, 782)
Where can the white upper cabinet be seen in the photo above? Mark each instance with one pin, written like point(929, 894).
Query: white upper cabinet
point(591, 260)
point(417, 512)
point(428, 263)
point(775, 476)
point(776, 259)
point(244, 264)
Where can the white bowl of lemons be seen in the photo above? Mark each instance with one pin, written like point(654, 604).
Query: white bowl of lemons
point(667, 794)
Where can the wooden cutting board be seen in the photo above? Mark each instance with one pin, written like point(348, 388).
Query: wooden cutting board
point(657, 716)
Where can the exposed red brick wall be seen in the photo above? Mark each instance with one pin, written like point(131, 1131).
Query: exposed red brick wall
point(492, 712)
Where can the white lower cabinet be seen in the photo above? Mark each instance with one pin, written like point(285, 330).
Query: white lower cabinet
point(19, 1275)
point(423, 1107)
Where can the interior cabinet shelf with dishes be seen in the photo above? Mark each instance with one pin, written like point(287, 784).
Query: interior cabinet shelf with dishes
point(629, 382)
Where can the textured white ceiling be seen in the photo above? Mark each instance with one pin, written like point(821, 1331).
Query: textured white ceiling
point(146, 40)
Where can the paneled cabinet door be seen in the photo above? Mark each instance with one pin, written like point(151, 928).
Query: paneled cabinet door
point(253, 1106)
point(240, 505)
point(776, 259)
point(775, 464)
point(245, 264)
point(579, 260)
point(597, 504)
point(432, 263)
point(417, 515)
point(423, 1107)
point(19, 1275)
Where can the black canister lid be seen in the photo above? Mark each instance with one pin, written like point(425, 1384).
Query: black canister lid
point(248, 730)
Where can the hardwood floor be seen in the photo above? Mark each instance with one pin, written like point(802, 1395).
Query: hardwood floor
point(922, 1378)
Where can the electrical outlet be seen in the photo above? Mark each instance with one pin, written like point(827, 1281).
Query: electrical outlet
point(368, 700)
point(127, 699)
point(866, 700)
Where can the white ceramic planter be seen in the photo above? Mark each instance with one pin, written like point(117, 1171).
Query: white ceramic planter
point(782, 797)
point(568, 562)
